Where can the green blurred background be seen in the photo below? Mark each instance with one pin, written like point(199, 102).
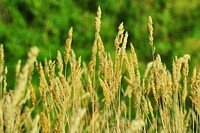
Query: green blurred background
point(45, 23)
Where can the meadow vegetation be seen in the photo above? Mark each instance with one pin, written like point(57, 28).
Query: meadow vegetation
point(109, 94)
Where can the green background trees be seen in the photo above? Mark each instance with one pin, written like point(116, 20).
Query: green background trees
point(45, 23)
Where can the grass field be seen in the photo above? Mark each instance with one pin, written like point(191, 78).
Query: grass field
point(108, 94)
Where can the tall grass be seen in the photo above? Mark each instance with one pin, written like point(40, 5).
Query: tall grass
point(158, 101)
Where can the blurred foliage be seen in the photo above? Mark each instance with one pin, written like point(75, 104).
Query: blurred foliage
point(45, 23)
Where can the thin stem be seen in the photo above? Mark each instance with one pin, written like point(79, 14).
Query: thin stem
point(107, 117)
point(129, 108)
point(93, 126)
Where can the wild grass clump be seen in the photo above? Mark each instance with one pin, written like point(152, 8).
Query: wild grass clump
point(70, 92)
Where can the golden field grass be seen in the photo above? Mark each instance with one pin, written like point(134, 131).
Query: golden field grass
point(70, 91)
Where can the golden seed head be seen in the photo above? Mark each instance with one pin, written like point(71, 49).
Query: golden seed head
point(44, 123)
point(33, 94)
point(124, 44)
point(68, 45)
point(134, 55)
point(106, 92)
point(91, 69)
point(60, 62)
point(150, 24)
point(119, 37)
point(98, 21)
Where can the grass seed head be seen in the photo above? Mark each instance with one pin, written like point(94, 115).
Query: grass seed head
point(106, 92)
point(120, 35)
point(44, 123)
point(33, 94)
point(98, 21)
point(60, 62)
point(134, 55)
point(150, 24)
point(68, 45)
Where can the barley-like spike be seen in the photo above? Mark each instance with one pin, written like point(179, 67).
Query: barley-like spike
point(60, 62)
point(68, 45)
